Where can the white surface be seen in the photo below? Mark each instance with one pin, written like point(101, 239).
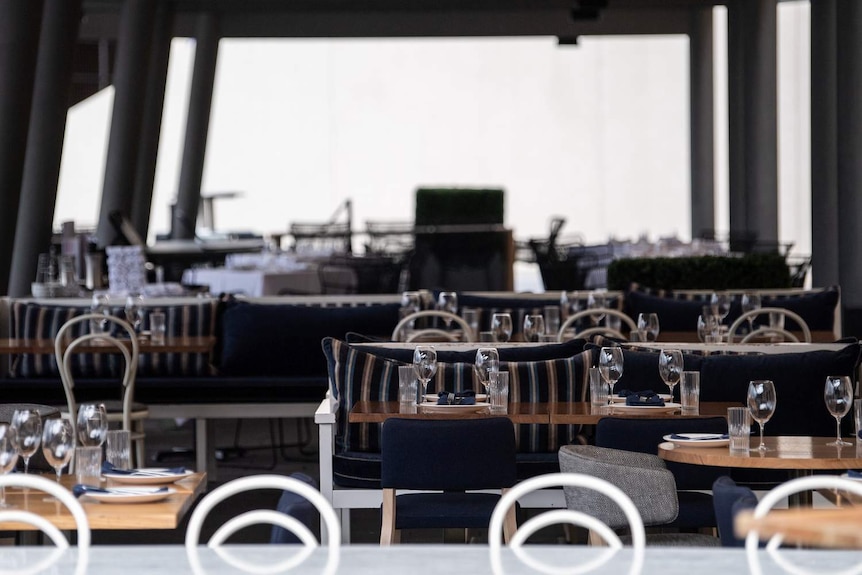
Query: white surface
point(131, 495)
point(637, 408)
point(148, 476)
point(256, 283)
point(698, 439)
point(419, 559)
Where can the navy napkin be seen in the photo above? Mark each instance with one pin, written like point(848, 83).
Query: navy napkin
point(82, 489)
point(709, 437)
point(644, 398)
point(456, 398)
point(628, 392)
point(108, 467)
point(853, 474)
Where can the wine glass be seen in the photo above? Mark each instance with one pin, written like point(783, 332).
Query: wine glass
point(487, 362)
point(611, 365)
point(411, 302)
point(721, 304)
point(8, 456)
point(670, 366)
point(648, 327)
point(501, 326)
point(596, 300)
point(58, 443)
point(838, 394)
point(448, 301)
point(92, 424)
point(424, 364)
point(135, 310)
point(28, 426)
point(761, 404)
point(750, 302)
point(101, 305)
point(534, 326)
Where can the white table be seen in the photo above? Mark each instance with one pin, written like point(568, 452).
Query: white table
point(256, 283)
point(423, 559)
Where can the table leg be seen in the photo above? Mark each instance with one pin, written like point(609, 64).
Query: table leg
point(801, 498)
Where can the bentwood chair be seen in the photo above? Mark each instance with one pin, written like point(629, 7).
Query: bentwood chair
point(129, 413)
point(63, 495)
point(398, 334)
point(572, 322)
point(451, 458)
point(770, 331)
point(264, 516)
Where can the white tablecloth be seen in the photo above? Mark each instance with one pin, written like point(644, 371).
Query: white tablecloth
point(256, 283)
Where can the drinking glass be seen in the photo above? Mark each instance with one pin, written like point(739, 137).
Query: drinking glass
point(611, 365)
point(487, 363)
point(708, 328)
point(569, 304)
point(721, 304)
point(761, 404)
point(750, 302)
point(101, 305)
point(534, 326)
point(670, 366)
point(425, 365)
point(92, 424)
point(58, 443)
point(501, 327)
point(648, 327)
point(28, 426)
point(411, 302)
point(551, 314)
point(8, 456)
point(838, 394)
point(448, 301)
point(135, 311)
point(596, 300)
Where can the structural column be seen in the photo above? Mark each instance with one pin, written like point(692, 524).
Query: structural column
point(824, 142)
point(753, 102)
point(184, 217)
point(849, 132)
point(157, 74)
point(130, 77)
point(702, 124)
point(19, 41)
point(59, 34)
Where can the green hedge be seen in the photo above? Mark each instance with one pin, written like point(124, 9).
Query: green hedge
point(762, 271)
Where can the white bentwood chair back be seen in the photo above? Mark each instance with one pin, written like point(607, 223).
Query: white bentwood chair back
point(264, 516)
point(408, 320)
point(572, 320)
point(779, 494)
point(786, 313)
point(577, 518)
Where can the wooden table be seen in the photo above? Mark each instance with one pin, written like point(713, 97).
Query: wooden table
point(837, 528)
point(197, 344)
point(584, 413)
point(166, 514)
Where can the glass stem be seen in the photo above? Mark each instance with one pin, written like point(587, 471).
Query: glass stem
point(837, 430)
point(761, 436)
point(26, 465)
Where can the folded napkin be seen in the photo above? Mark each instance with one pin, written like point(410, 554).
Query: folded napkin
point(456, 398)
point(853, 474)
point(628, 392)
point(644, 398)
point(703, 437)
point(108, 467)
point(82, 489)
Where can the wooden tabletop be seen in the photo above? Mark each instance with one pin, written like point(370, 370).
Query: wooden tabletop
point(380, 411)
point(584, 413)
point(799, 453)
point(166, 514)
point(196, 344)
point(838, 527)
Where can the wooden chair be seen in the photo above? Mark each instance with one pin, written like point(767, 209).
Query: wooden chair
point(125, 410)
point(409, 320)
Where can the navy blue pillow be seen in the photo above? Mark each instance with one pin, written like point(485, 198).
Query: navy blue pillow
point(798, 378)
point(514, 353)
point(817, 309)
point(299, 508)
point(640, 370)
point(673, 314)
point(284, 340)
point(728, 498)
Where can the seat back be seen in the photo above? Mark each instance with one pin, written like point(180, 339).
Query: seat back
point(572, 322)
point(769, 311)
point(63, 495)
point(568, 481)
point(728, 498)
point(448, 455)
point(267, 516)
point(399, 335)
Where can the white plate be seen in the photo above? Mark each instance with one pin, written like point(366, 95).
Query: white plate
point(636, 408)
point(145, 496)
point(163, 477)
point(617, 399)
point(847, 476)
point(433, 397)
point(698, 439)
point(478, 406)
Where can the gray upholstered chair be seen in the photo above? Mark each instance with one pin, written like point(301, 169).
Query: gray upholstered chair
point(642, 476)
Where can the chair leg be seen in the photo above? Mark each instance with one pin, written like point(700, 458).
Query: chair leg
point(388, 535)
point(596, 540)
point(510, 523)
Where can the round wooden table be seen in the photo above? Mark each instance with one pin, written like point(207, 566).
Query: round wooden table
point(44, 411)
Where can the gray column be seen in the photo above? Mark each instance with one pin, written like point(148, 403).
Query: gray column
point(145, 172)
point(130, 76)
point(59, 34)
point(824, 142)
point(197, 126)
point(850, 162)
point(736, 121)
point(19, 41)
point(702, 123)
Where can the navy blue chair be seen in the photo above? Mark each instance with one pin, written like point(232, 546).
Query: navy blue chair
point(449, 458)
point(643, 435)
point(729, 499)
point(298, 507)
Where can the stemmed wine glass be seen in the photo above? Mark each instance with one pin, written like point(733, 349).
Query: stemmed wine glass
point(411, 302)
point(534, 326)
point(720, 304)
point(750, 302)
point(425, 365)
point(448, 301)
point(101, 305)
point(501, 327)
point(596, 300)
point(92, 424)
point(670, 366)
point(28, 426)
point(761, 404)
point(135, 310)
point(648, 327)
point(611, 365)
point(58, 443)
point(487, 363)
point(8, 456)
point(838, 394)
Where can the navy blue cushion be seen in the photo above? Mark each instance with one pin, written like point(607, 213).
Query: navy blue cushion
point(729, 499)
point(798, 378)
point(696, 510)
point(445, 510)
point(673, 314)
point(515, 353)
point(817, 309)
point(259, 339)
point(298, 507)
point(640, 370)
